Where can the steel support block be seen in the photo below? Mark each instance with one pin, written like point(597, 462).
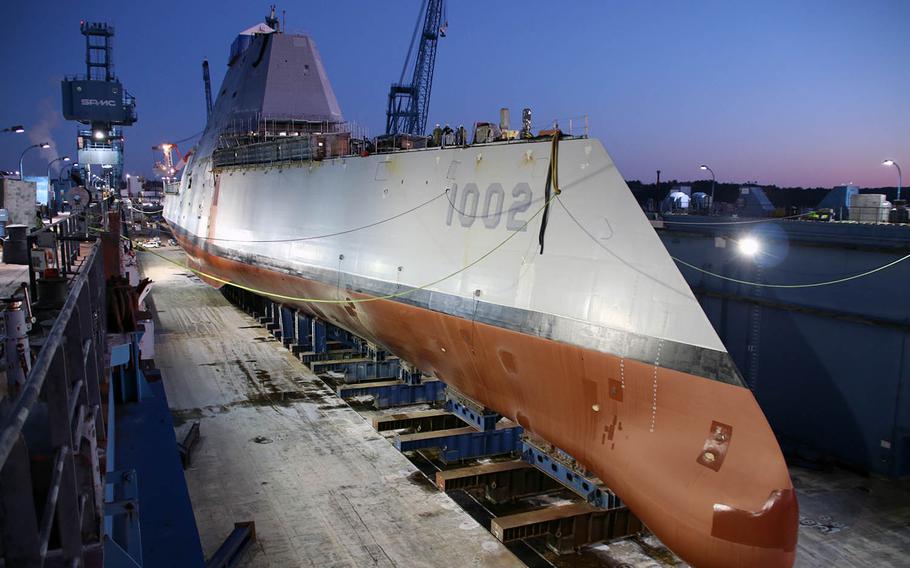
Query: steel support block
point(423, 421)
point(500, 481)
point(465, 443)
point(303, 335)
point(319, 333)
point(481, 418)
point(394, 393)
point(560, 467)
point(358, 369)
point(567, 527)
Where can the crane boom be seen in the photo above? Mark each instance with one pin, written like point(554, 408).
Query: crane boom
point(409, 103)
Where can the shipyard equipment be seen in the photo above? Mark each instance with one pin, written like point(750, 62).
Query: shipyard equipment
point(410, 102)
point(98, 101)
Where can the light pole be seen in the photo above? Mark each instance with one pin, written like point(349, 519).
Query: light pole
point(42, 145)
point(17, 129)
point(52, 162)
point(64, 168)
point(51, 192)
point(899, 180)
point(713, 180)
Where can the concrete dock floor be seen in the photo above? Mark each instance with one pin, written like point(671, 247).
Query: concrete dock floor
point(279, 448)
point(326, 490)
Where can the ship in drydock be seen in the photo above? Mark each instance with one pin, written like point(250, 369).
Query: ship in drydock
point(519, 270)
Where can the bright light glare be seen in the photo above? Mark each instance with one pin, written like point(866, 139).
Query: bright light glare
point(45, 145)
point(99, 135)
point(749, 246)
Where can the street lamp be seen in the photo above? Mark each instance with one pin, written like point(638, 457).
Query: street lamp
point(43, 145)
point(52, 162)
point(64, 169)
point(18, 129)
point(899, 180)
point(51, 192)
point(705, 167)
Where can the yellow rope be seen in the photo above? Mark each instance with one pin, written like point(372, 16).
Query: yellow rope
point(809, 285)
point(554, 170)
point(736, 280)
point(339, 233)
point(353, 300)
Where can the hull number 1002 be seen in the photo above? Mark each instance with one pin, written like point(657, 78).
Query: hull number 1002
point(469, 205)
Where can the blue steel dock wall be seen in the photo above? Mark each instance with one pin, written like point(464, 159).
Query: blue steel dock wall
point(828, 364)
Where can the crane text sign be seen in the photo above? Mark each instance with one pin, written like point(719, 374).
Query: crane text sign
point(96, 102)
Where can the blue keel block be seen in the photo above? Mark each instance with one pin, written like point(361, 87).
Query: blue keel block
point(303, 335)
point(288, 329)
point(360, 369)
point(395, 393)
point(590, 488)
point(483, 419)
point(320, 337)
point(465, 443)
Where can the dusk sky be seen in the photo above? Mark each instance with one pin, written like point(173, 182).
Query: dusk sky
point(811, 93)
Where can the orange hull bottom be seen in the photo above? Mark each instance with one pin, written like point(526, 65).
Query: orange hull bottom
point(693, 458)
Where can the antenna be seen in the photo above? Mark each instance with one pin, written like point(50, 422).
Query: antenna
point(207, 80)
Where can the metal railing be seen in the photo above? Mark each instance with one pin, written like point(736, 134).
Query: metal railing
point(286, 149)
point(51, 476)
point(261, 140)
point(572, 125)
point(62, 232)
point(264, 128)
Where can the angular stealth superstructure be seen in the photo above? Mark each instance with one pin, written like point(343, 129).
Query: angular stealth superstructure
point(598, 345)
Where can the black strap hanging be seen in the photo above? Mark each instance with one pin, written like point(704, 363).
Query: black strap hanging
point(552, 182)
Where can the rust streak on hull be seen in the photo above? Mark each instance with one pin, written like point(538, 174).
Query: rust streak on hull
point(646, 442)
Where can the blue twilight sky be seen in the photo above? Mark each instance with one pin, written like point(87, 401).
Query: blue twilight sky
point(798, 92)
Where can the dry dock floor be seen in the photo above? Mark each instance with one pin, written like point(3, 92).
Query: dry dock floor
point(279, 448)
point(326, 490)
